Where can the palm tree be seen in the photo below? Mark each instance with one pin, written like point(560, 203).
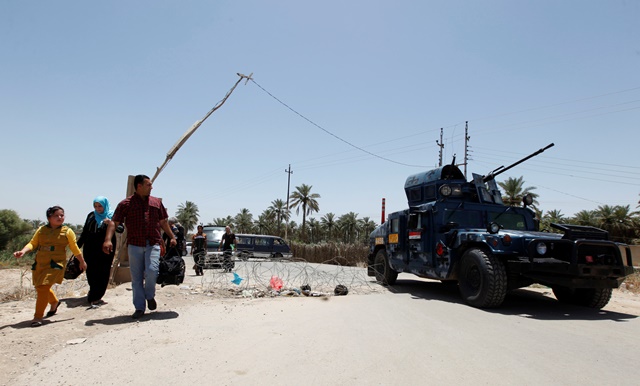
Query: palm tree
point(552, 216)
point(279, 207)
point(187, 214)
point(303, 197)
point(365, 227)
point(35, 223)
point(244, 221)
point(264, 223)
point(618, 221)
point(585, 217)
point(514, 190)
point(314, 227)
point(224, 221)
point(328, 222)
point(347, 223)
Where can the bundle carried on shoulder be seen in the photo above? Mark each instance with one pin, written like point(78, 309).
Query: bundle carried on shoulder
point(172, 268)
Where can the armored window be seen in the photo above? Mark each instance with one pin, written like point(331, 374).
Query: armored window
point(415, 194)
point(464, 218)
point(395, 225)
point(429, 192)
point(414, 221)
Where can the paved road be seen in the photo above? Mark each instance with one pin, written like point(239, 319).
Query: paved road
point(419, 334)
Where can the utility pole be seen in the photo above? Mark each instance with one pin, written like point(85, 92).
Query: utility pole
point(196, 125)
point(441, 145)
point(289, 173)
point(466, 147)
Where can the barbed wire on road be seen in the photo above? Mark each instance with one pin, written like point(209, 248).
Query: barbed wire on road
point(297, 278)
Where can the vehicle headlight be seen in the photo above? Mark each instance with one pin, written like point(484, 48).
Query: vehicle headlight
point(445, 190)
point(541, 248)
point(527, 200)
point(493, 227)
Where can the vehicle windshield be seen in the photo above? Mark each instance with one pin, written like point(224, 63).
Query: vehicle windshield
point(214, 235)
point(474, 219)
point(509, 220)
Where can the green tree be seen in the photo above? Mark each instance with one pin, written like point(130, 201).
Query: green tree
point(265, 224)
point(618, 221)
point(303, 198)
point(35, 223)
point(244, 221)
point(314, 229)
point(187, 214)
point(279, 208)
point(328, 222)
point(514, 190)
point(365, 227)
point(586, 218)
point(224, 221)
point(552, 216)
point(11, 226)
point(347, 224)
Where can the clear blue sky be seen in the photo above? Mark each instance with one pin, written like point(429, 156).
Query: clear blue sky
point(92, 92)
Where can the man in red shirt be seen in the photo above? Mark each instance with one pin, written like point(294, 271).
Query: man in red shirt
point(143, 215)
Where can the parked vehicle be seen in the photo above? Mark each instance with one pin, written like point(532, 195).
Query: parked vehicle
point(461, 232)
point(261, 246)
point(214, 236)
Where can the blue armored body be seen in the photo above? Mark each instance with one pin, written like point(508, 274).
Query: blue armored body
point(460, 231)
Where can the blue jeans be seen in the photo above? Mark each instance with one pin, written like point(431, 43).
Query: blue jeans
point(144, 263)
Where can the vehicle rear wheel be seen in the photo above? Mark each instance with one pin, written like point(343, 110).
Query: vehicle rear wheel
point(482, 279)
point(384, 273)
point(587, 297)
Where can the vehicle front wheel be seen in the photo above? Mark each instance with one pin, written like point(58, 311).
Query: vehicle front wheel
point(483, 279)
point(587, 297)
point(384, 273)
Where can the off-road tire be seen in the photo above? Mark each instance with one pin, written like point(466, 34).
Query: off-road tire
point(587, 297)
point(482, 279)
point(384, 273)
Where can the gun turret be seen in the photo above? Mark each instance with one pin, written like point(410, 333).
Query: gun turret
point(503, 169)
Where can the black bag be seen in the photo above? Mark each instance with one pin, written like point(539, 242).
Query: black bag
point(73, 269)
point(340, 290)
point(172, 268)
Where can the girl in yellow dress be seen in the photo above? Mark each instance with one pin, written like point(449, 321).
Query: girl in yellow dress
point(50, 242)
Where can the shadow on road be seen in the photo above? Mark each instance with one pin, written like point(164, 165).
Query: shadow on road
point(125, 319)
point(521, 302)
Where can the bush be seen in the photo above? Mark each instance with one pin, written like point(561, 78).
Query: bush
point(11, 227)
point(331, 253)
point(6, 256)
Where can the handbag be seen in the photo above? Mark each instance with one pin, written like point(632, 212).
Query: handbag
point(73, 269)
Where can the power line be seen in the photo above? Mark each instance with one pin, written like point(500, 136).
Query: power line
point(330, 133)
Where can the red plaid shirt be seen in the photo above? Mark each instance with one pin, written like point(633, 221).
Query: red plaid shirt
point(142, 218)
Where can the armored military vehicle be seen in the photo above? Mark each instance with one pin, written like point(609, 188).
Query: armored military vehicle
point(461, 232)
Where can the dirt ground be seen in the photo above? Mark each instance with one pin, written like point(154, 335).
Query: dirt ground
point(23, 347)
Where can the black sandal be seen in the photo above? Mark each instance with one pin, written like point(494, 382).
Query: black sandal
point(53, 310)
